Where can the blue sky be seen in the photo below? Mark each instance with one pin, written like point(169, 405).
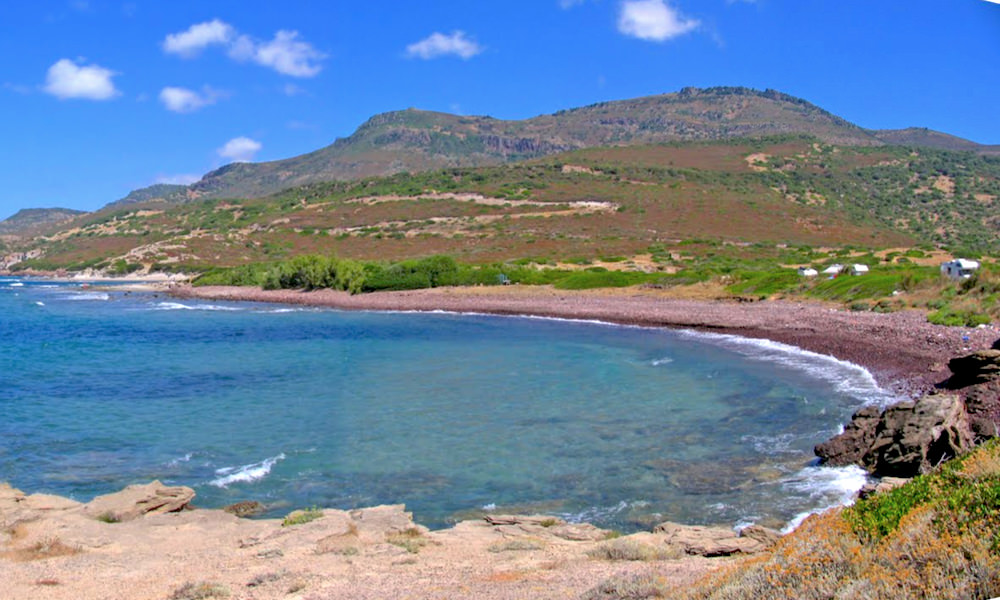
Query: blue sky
point(99, 97)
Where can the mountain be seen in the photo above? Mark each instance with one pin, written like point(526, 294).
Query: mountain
point(29, 220)
point(928, 138)
point(165, 192)
point(726, 200)
point(416, 140)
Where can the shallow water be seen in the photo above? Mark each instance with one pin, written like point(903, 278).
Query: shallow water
point(451, 415)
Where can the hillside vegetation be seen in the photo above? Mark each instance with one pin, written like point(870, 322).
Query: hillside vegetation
point(416, 140)
point(741, 214)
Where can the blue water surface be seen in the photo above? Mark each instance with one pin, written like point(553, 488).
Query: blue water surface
point(451, 415)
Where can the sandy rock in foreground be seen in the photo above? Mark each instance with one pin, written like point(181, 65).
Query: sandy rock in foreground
point(139, 500)
point(54, 548)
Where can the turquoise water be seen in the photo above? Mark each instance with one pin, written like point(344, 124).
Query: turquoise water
point(451, 415)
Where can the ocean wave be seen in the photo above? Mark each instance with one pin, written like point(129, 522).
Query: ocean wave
point(88, 296)
point(776, 444)
point(846, 377)
point(662, 361)
point(182, 459)
point(596, 514)
point(180, 306)
point(826, 486)
point(246, 473)
point(17, 284)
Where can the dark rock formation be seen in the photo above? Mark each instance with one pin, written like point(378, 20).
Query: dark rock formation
point(247, 508)
point(979, 367)
point(914, 437)
point(858, 436)
point(907, 439)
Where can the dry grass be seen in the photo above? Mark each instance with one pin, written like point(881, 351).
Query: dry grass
point(514, 546)
point(629, 549)
point(43, 549)
point(629, 587)
point(412, 540)
point(202, 590)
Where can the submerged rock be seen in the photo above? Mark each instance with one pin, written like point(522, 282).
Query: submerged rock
point(136, 501)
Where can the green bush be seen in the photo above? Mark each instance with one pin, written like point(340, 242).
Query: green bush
point(586, 280)
point(300, 517)
point(765, 283)
point(955, 318)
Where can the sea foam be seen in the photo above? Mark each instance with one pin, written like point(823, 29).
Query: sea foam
point(846, 377)
point(829, 486)
point(179, 306)
point(246, 473)
point(88, 296)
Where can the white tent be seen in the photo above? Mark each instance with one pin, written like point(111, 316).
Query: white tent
point(960, 268)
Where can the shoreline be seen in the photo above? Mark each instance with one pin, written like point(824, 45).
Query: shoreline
point(380, 551)
point(904, 353)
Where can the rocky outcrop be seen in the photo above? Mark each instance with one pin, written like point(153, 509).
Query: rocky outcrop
point(136, 501)
point(906, 439)
point(247, 508)
point(979, 367)
point(914, 437)
point(547, 526)
point(886, 484)
point(857, 438)
point(716, 541)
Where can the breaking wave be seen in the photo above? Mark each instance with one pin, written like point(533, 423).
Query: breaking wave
point(246, 473)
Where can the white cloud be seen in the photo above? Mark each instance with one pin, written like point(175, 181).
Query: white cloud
point(286, 53)
point(438, 45)
point(653, 20)
point(67, 79)
point(196, 38)
point(290, 90)
point(241, 149)
point(566, 4)
point(183, 100)
point(182, 179)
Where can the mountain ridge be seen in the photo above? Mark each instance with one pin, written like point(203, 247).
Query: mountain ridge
point(27, 220)
point(414, 140)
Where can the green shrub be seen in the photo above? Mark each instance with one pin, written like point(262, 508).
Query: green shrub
point(765, 283)
point(300, 517)
point(957, 318)
point(588, 279)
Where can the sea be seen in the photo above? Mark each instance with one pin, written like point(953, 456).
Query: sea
point(454, 416)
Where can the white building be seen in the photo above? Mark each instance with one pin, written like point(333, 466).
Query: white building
point(960, 268)
point(859, 269)
point(808, 272)
point(833, 270)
